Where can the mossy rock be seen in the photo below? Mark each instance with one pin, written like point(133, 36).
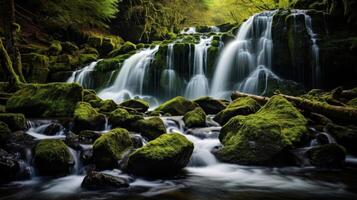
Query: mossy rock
point(258, 138)
point(89, 50)
point(352, 103)
point(150, 128)
point(210, 105)
point(52, 157)
point(109, 148)
point(35, 67)
point(240, 106)
point(177, 106)
point(122, 118)
point(195, 118)
point(55, 48)
point(88, 136)
point(5, 133)
point(125, 48)
point(96, 180)
point(87, 58)
point(166, 155)
point(87, 118)
point(58, 67)
point(15, 121)
point(137, 104)
point(69, 47)
point(90, 96)
point(46, 100)
point(107, 106)
point(344, 135)
point(327, 156)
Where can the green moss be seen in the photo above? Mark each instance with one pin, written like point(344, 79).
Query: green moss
point(107, 106)
point(150, 128)
point(87, 118)
point(330, 155)
point(257, 138)
point(137, 104)
point(46, 100)
point(52, 157)
point(125, 48)
point(89, 50)
point(35, 67)
point(89, 95)
point(110, 147)
point(5, 133)
point(165, 155)
point(122, 118)
point(87, 58)
point(177, 106)
point(15, 121)
point(55, 48)
point(110, 64)
point(195, 118)
point(240, 106)
point(352, 103)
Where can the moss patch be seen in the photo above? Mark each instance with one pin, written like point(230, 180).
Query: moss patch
point(137, 104)
point(177, 106)
point(87, 118)
point(15, 121)
point(195, 118)
point(150, 128)
point(210, 105)
point(46, 100)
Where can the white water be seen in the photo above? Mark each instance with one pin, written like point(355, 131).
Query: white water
point(130, 80)
point(37, 129)
point(189, 31)
point(198, 85)
point(82, 76)
point(252, 48)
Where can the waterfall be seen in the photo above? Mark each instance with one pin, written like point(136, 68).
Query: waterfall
point(189, 31)
point(252, 48)
point(198, 85)
point(82, 76)
point(130, 79)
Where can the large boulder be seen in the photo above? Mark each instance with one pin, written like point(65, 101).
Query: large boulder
point(96, 180)
point(35, 67)
point(165, 155)
point(87, 118)
point(15, 121)
point(240, 106)
point(327, 156)
point(150, 128)
point(259, 137)
point(137, 104)
point(52, 157)
point(109, 148)
point(46, 100)
point(195, 118)
point(177, 106)
point(210, 105)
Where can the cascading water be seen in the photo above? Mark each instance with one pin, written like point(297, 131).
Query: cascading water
point(252, 50)
point(82, 76)
point(169, 73)
point(130, 80)
point(198, 85)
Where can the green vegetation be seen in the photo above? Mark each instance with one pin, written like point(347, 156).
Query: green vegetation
point(176, 106)
point(87, 118)
point(195, 118)
point(150, 128)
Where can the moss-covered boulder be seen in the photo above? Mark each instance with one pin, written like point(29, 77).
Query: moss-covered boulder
point(5, 133)
point(96, 180)
point(344, 135)
point(69, 47)
point(352, 103)
point(209, 105)
point(122, 118)
point(110, 148)
point(15, 121)
point(52, 157)
point(195, 118)
point(35, 67)
point(177, 106)
point(165, 155)
point(240, 106)
point(125, 48)
point(86, 59)
point(89, 95)
point(107, 106)
point(87, 118)
point(150, 128)
point(46, 100)
point(55, 48)
point(327, 156)
point(88, 136)
point(259, 137)
point(137, 104)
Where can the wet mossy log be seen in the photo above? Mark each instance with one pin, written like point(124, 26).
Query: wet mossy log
point(338, 113)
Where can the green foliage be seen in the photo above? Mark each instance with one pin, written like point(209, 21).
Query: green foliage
point(79, 13)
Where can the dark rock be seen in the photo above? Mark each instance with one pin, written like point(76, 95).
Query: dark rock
point(96, 180)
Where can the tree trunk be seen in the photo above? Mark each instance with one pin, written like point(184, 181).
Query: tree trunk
point(336, 113)
point(7, 8)
point(6, 64)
